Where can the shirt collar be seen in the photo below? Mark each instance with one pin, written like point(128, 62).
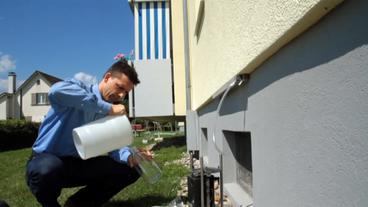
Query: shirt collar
point(96, 91)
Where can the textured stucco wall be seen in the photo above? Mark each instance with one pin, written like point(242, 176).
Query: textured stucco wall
point(36, 112)
point(236, 36)
point(178, 56)
point(306, 110)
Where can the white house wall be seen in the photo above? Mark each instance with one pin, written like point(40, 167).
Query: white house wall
point(36, 112)
point(236, 36)
point(153, 96)
point(306, 111)
point(3, 108)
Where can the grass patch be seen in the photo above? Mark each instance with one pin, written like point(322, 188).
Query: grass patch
point(15, 192)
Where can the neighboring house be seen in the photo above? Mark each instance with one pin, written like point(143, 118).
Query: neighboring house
point(30, 100)
point(161, 93)
point(278, 90)
point(5, 102)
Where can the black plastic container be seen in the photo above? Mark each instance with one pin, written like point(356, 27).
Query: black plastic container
point(194, 189)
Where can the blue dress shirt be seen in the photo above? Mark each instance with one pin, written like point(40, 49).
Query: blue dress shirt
point(73, 104)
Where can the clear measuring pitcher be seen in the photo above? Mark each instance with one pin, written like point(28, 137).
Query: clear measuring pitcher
point(147, 168)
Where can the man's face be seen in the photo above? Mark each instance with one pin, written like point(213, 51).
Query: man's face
point(115, 87)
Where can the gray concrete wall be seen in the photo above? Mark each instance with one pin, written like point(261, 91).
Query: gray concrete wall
point(306, 109)
point(191, 131)
point(153, 96)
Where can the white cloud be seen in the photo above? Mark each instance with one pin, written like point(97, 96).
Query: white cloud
point(6, 62)
point(86, 78)
point(4, 85)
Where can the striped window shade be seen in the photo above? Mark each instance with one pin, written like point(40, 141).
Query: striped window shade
point(152, 30)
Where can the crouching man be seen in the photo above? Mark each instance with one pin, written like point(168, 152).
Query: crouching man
point(55, 163)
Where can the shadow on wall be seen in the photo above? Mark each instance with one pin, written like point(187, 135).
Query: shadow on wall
point(17, 110)
point(200, 23)
point(235, 101)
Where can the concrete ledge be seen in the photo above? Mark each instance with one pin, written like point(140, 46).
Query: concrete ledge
point(237, 195)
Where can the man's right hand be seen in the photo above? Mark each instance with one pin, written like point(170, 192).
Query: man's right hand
point(117, 109)
point(147, 154)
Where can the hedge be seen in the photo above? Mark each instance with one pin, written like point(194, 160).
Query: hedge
point(17, 134)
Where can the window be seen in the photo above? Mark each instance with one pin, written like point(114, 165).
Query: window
point(239, 152)
point(40, 99)
point(243, 156)
point(38, 82)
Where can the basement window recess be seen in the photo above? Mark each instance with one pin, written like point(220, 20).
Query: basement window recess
point(238, 151)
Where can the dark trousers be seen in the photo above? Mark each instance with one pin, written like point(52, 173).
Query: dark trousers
point(102, 177)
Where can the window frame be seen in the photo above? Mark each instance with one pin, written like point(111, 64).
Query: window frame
point(40, 99)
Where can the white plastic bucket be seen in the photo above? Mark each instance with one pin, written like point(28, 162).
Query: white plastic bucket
point(102, 136)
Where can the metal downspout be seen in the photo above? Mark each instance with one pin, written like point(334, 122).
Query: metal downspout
point(187, 58)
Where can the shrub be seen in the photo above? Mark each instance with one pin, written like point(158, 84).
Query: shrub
point(17, 134)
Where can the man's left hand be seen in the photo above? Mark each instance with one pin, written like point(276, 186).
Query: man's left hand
point(132, 162)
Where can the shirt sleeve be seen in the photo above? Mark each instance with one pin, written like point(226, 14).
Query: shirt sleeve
point(73, 93)
point(121, 155)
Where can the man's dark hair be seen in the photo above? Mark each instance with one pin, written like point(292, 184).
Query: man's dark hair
point(122, 66)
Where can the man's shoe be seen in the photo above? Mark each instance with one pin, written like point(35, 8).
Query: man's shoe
point(3, 204)
point(70, 203)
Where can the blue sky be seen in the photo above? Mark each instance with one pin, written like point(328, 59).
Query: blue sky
point(64, 38)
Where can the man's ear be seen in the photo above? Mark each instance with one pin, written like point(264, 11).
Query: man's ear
point(107, 77)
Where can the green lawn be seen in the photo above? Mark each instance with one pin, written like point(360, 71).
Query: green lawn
point(14, 191)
